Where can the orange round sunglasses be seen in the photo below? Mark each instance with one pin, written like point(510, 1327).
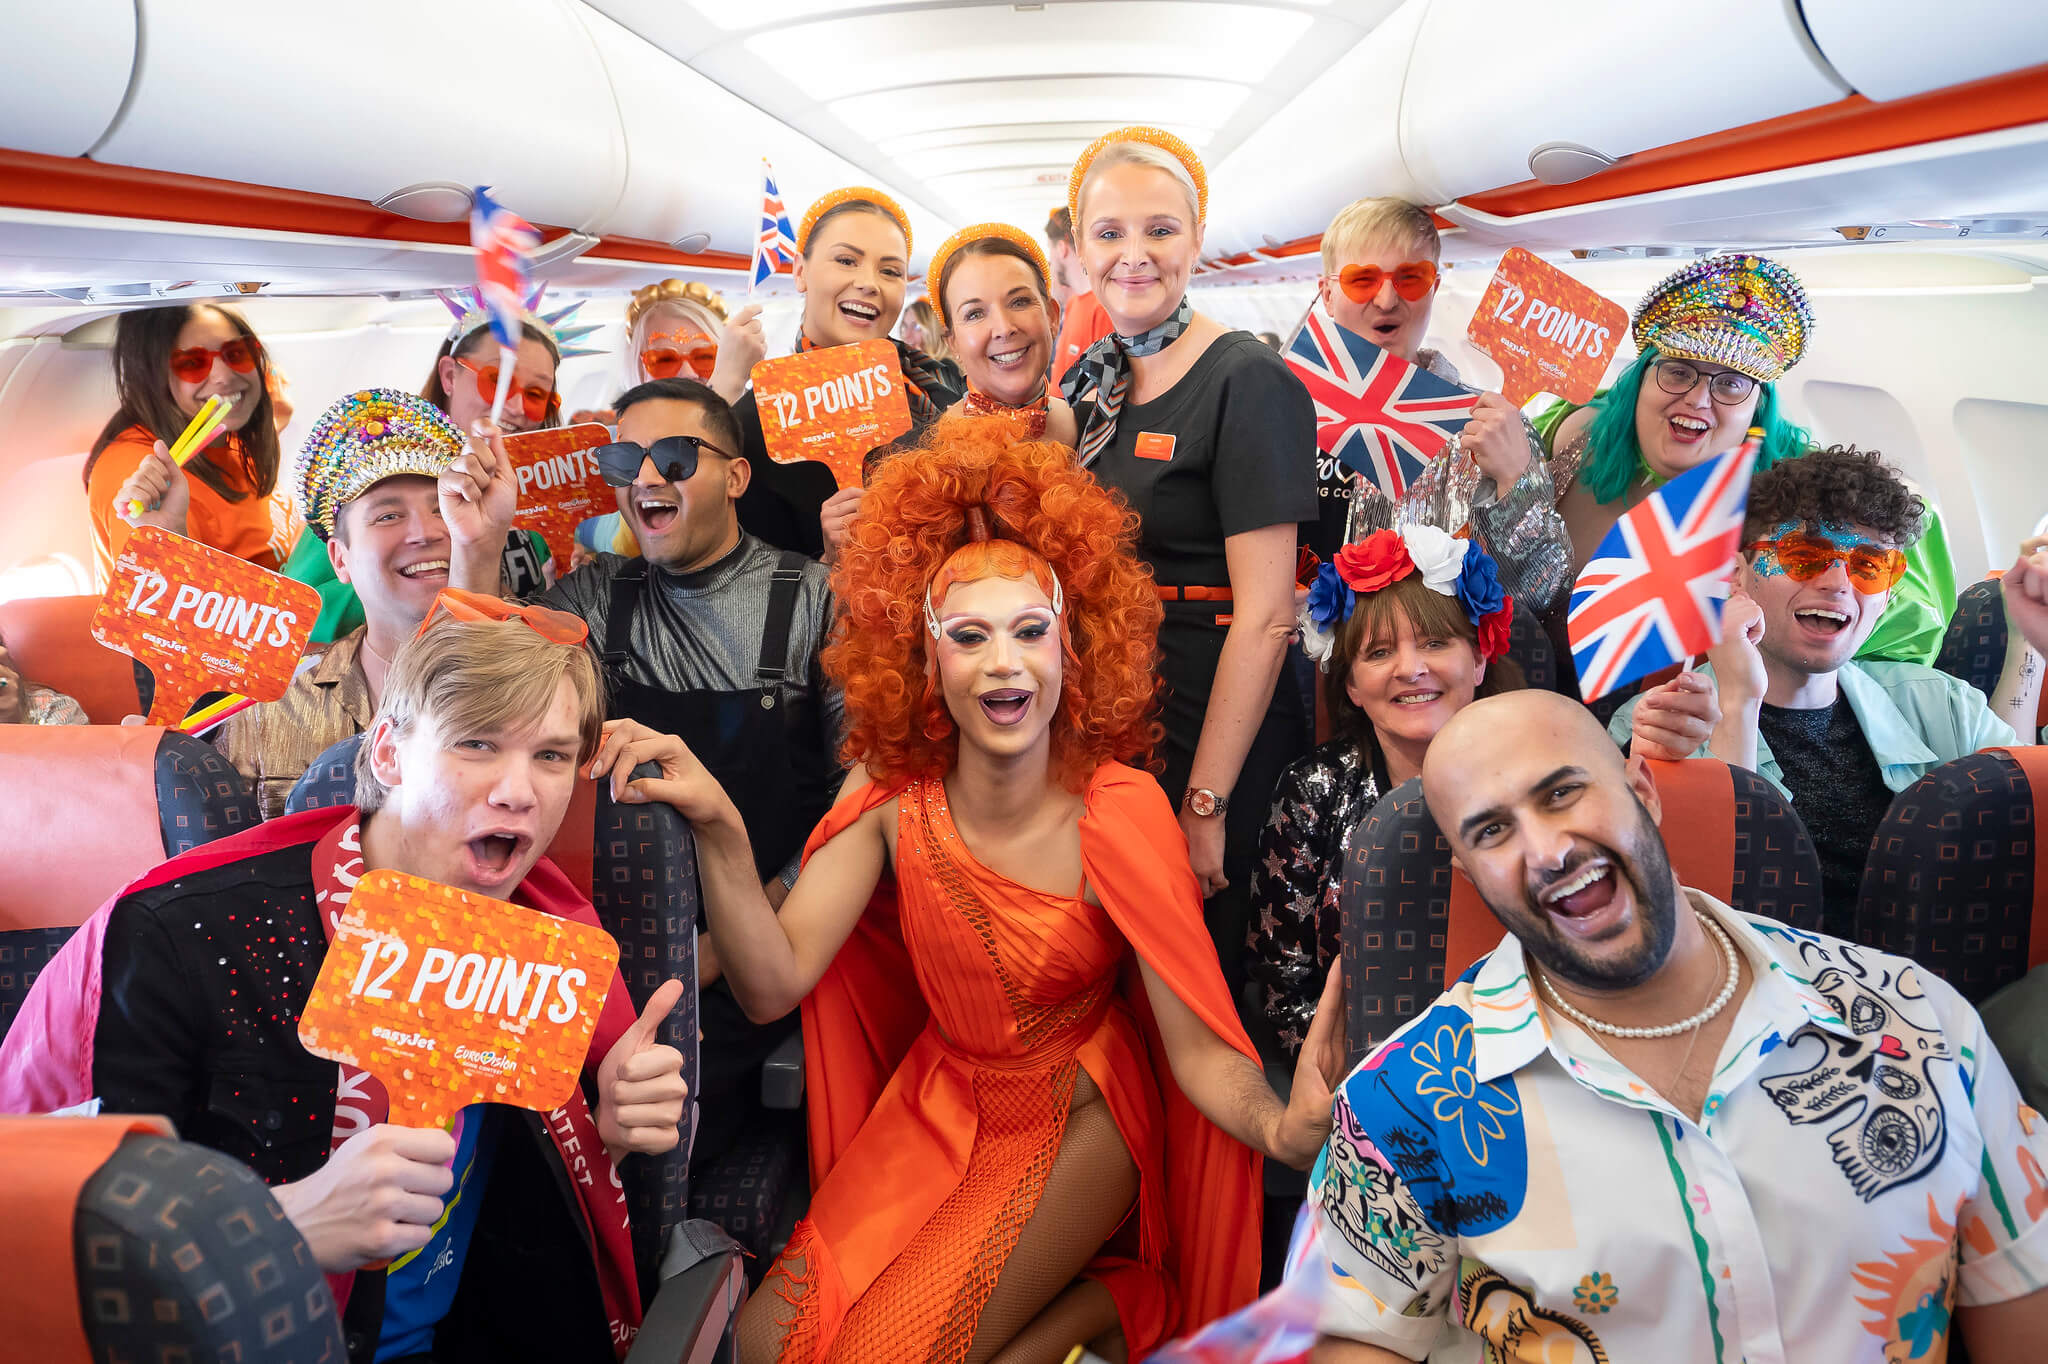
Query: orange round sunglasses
point(455, 604)
point(536, 402)
point(1805, 556)
point(1361, 283)
point(669, 354)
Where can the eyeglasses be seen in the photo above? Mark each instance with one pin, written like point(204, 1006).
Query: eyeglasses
point(1726, 387)
point(534, 400)
point(675, 458)
point(1805, 556)
point(1361, 283)
point(666, 356)
point(558, 627)
point(193, 365)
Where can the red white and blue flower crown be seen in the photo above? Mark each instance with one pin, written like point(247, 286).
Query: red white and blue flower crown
point(1449, 565)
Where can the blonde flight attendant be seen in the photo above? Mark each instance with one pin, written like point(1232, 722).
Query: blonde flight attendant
point(1211, 438)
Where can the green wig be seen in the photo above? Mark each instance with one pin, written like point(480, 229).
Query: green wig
point(1614, 458)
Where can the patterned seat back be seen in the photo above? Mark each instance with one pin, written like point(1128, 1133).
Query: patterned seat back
point(1530, 647)
point(1974, 647)
point(125, 1244)
point(1956, 878)
point(638, 864)
point(1411, 923)
point(92, 807)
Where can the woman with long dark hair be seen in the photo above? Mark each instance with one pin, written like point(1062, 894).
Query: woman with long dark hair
point(167, 363)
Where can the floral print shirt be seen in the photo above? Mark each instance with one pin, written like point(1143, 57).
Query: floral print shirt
point(1497, 1187)
point(1293, 934)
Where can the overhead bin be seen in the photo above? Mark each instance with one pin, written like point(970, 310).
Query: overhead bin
point(375, 96)
point(693, 154)
point(1887, 49)
point(1335, 142)
point(1484, 91)
point(63, 70)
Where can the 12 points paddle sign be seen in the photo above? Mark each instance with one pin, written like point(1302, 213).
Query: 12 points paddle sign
point(1547, 332)
point(832, 405)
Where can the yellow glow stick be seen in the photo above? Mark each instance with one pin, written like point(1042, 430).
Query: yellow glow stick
point(193, 439)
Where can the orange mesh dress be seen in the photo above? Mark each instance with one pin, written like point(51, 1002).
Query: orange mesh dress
point(941, 1051)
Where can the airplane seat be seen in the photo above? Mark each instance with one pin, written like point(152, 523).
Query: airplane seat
point(50, 640)
point(1957, 879)
point(638, 865)
point(97, 805)
point(1529, 645)
point(124, 1243)
point(1973, 649)
point(1410, 924)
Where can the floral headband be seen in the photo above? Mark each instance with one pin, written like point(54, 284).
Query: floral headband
point(1448, 565)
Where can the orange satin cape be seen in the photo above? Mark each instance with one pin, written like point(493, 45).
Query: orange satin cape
point(866, 1011)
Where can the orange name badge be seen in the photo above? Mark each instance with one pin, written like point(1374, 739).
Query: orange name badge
point(559, 485)
point(453, 999)
point(1153, 445)
point(1547, 332)
point(202, 620)
point(832, 405)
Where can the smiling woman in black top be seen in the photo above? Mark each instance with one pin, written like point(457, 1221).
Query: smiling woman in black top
point(1204, 430)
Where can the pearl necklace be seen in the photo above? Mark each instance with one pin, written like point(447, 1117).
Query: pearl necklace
point(1719, 1003)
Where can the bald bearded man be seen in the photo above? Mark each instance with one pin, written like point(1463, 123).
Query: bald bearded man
point(1648, 1127)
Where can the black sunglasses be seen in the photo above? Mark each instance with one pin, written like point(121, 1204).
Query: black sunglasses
point(675, 458)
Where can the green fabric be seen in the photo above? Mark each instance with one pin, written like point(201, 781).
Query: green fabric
point(1911, 628)
point(340, 609)
point(2016, 1020)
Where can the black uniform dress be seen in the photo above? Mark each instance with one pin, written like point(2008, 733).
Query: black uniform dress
point(1218, 454)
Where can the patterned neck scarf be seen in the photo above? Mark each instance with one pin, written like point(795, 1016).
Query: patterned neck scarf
point(1029, 415)
point(1096, 385)
point(921, 374)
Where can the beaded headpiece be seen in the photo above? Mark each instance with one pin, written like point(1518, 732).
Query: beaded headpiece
point(369, 436)
point(935, 272)
point(468, 312)
point(1746, 312)
point(692, 296)
point(852, 194)
point(1156, 137)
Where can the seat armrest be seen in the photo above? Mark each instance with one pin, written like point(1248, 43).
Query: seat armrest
point(782, 1075)
point(697, 1307)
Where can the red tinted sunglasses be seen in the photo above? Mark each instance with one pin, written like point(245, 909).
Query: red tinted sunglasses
point(453, 603)
point(1412, 280)
point(193, 365)
point(534, 400)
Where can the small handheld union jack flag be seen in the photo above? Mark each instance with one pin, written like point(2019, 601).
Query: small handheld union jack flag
point(775, 249)
point(1375, 413)
point(1654, 589)
point(502, 239)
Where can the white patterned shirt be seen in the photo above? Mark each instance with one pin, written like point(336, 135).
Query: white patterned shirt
point(1497, 1187)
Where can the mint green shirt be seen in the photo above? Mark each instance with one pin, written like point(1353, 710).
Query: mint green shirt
point(1913, 717)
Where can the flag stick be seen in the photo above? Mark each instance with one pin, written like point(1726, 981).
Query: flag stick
point(507, 357)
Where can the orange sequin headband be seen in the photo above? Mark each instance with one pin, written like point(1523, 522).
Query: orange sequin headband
point(849, 195)
point(1155, 137)
point(935, 272)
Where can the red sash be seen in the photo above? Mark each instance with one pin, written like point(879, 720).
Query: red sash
point(361, 1103)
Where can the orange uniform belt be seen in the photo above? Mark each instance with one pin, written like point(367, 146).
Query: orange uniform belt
point(1167, 593)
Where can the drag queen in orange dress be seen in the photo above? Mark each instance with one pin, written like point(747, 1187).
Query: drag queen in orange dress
point(1035, 1119)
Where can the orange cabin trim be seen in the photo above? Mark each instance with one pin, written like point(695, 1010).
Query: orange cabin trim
point(70, 184)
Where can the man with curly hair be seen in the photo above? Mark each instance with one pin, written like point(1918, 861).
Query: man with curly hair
point(1823, 547)
point(711, 634)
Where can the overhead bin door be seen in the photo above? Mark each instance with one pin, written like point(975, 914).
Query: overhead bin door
point(1337, 141)
point(1888, 49)
point(694, 150)
point(1491, 80)
point(63, 70)
point(365, 98)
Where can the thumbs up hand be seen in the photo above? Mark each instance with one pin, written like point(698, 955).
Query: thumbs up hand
point(640, 1089)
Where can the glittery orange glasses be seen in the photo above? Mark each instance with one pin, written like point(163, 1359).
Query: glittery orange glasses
point(1412, 280)
point(1805, 556)
point(455, 604)
point(668, 355)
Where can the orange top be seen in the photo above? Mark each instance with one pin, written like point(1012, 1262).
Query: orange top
point(1082, 326)
point(242, 528)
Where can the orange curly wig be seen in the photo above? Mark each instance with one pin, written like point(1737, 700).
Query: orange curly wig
point(912, 525)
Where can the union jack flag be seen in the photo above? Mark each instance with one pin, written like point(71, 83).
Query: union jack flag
point(775, 248)
point(501, 238)
point(1654, 589)
point(1375, 413)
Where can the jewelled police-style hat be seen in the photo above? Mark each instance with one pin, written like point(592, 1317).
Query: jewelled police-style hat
point(369, 436)
point(1746, 312)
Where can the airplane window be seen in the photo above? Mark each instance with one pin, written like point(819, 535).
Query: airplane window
point(2002, 444)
